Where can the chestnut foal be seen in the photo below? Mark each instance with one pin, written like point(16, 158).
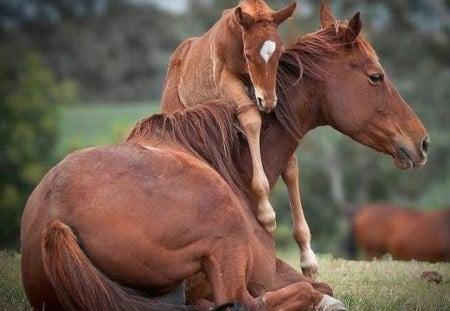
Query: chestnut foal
point(241, 50)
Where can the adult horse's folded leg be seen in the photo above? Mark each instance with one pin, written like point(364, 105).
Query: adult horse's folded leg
point(300, 296)
point(301, 232)
point(226, 274)
point(285, 275)
point(250, 120)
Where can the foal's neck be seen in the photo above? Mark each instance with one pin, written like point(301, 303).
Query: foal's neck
point(227, 36)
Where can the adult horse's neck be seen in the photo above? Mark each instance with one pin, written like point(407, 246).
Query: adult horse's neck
point(301, 81)
point(278, 143)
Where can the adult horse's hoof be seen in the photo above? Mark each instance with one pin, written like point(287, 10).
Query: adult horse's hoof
point(328, 303)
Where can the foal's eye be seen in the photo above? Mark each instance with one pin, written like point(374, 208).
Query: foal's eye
point(248, 56)
point(376, 78)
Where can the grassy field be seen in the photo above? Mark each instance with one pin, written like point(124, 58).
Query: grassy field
point(361, 285)
point(383, 285)
point(84, 126)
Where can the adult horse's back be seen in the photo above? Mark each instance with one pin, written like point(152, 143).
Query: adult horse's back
point(404, 233)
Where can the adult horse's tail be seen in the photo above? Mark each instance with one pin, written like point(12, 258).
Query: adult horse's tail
point(79, 284)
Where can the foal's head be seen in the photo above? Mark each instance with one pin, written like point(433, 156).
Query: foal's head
point(362, 102)
point(262, 47)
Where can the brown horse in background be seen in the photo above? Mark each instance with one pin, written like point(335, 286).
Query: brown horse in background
point(241, 50)
point(141, 211)
point(404, 233)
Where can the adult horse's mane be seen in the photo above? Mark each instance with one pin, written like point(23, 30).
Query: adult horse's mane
point(211, 132)
point(304, 62)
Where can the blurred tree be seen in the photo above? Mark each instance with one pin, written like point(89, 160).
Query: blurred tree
point(28, 97)
point(118, 50)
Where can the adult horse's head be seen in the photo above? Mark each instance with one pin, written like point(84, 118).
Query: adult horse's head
point(262, 47)
point(363, 103)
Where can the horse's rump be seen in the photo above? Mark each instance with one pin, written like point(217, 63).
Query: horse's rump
point(142, 239)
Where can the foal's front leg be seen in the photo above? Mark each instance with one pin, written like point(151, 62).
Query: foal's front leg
point(250, 121)
point(301, 232)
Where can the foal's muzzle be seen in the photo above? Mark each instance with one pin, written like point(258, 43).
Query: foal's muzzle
point(264, 105)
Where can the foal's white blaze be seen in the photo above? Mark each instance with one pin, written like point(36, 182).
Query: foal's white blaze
point(267, 50)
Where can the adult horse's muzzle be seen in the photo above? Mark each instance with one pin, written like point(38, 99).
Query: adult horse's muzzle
point(405, 158)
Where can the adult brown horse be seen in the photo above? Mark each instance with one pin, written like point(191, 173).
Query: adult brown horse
point(404, 233)
point(349, 91)
point(150, 213)
point(107, 195)
point(242, 49)
point(343, 85)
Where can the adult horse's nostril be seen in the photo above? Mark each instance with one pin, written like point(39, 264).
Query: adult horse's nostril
point(425, 144)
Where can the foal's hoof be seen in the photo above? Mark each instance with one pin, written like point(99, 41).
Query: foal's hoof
point(309, 263)
point(310, 272)
point(328, 303)
point(268, 220)
point(269, 225)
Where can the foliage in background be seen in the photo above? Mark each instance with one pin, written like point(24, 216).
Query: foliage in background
point(118, 51)
point(28, 121)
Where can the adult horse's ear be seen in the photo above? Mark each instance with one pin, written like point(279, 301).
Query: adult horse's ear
point(353, 29)
point(245, 19)
point(283, 14)
point(326, 15)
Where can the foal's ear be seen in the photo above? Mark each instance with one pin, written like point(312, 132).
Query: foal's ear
point(245, 19)
point(326, 15)
point(353, 29)
point(283, 14)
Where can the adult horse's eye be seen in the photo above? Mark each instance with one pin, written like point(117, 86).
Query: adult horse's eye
point(376, 78)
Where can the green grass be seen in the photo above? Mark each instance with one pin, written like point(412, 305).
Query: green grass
point(12, 296)
point(83, 126)
point(361, 285)
point(383, 285)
